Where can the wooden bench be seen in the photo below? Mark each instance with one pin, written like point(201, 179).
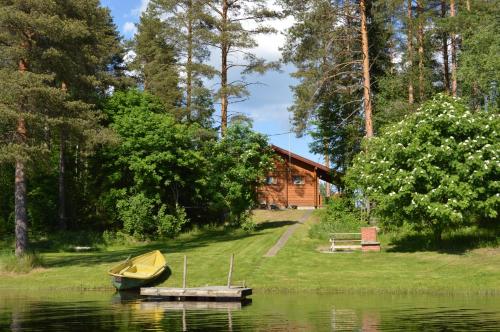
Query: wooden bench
point(365, 241)
point(345, 241)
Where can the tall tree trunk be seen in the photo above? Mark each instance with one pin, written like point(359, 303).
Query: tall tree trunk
point(366, 72)
point(411, 98)
point(189, 65)
point(62, 182)
point(446, 60)
point(467, 5)
point(453, 53)
point(327, 164)
point(224, 69)
point(62, 174)
point(20, 190)
point(420, 40)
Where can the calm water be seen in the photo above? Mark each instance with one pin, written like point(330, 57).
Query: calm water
point(104, 311)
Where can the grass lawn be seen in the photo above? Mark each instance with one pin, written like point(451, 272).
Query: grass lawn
point(297, 267)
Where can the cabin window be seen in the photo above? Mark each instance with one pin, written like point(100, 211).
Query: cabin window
point(298, 179)
point(271, 180)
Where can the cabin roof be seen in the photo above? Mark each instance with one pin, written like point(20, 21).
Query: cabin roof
point(324, 173)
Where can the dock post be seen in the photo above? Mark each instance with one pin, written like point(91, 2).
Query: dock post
point(230, 274)
point(185, 272)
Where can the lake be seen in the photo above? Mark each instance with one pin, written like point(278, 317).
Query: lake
point(105, 311)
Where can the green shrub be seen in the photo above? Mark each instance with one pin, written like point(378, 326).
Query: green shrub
point(170, 225)
point(340, 216)
point(141, 220)
point(11, 264)
point(136, 213)
point(437, 170)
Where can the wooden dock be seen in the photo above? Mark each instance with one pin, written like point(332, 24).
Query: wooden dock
point(217, 293)
point(226, 293)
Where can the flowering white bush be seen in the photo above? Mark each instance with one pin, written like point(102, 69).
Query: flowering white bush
point(437, 169)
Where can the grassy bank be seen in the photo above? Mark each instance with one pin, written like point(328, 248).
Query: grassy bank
point(297, 267)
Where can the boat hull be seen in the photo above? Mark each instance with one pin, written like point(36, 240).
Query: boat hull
point(124, 283)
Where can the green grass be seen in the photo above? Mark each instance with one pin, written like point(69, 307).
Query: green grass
point(9, 263)
point(297, 267)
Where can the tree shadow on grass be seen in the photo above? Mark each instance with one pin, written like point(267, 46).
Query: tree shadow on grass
point(174, 246)
point(453, 243)
point(274, 224)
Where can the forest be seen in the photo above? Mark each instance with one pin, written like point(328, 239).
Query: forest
point(111, 136)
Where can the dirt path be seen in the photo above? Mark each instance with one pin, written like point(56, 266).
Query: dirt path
point(287, 234)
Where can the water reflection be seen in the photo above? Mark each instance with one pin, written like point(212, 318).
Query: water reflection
point(93, 311)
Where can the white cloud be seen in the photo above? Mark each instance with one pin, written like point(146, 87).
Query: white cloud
point(269, 45)
point(142, 8)
point(129, 28)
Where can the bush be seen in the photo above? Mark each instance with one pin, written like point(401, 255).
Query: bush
point(437, 170)
point(170, 225)
point(11, 264)
point(141, 220)
point(136, 213)
point(340, 216)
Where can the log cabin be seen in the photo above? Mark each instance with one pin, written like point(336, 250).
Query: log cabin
point(294, 182)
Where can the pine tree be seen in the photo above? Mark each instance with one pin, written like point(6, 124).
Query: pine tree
point(156, 60)
point(231, 35)
point(454, 85)
point(446, 60)
point(325, 45)
point(367, 98)
point(30, 103)
point(182, 26)
point(85, 53)
point(478, 62)
point(410, 49)
point(57, 60)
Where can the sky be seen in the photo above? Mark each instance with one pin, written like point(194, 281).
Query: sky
point(268, 103)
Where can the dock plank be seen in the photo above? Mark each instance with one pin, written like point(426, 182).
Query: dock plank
point(198, 292)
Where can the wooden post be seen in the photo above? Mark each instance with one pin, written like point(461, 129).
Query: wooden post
point(230, 274)
point(316, 191)
point(185, 272)
point(287, 178)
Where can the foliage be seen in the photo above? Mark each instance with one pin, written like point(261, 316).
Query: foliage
point(171, 224)
point(437, 169)
point(479, 64)
point(239, 162)
point(340, 216)
point(324, 45)
point(227, 28)
point(158, 165)
point(156, 60)
point(183, 38)
point(141, 217)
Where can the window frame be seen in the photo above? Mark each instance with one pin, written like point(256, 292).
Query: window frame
point(301, 182)
point(274, 180)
